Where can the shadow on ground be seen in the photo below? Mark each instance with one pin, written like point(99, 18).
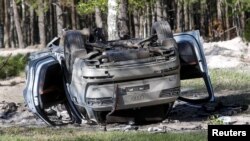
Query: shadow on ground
point(225, 105)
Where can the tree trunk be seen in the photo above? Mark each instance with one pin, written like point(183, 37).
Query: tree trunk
point(112, 19)
point(242, 20)
point(73, 14)
point(32, 26)
point(1, 23)
point(1, 12)
point(236, 18)
point(154, 18)
point(18, 26)
point(142, 22)
point(164, 11)
point(136, 23)
point(41, 24)
point(186, 15)
point(131, 24)
point(12, 28)
point(202, 19)
point(208, 22)
point(53, 19)
point(190, 17)
point(24, 26)
point(158, 10)
point(227, 21)
point(6, 24)
point(66, 17)
point(78, 24)
point(219, 15)
point(59, 17)
point(123, 19)
point(242, 17)
point(49, 21)
point(149, 20)
point(178, 11)
point(98, 18)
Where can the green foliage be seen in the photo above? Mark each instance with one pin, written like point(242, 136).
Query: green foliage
point(89, 6)
point(18, 1)
point(247, 31)
point(139, 4)
point(66, 3)
point(189, 2)
point(15, 65)
point(214, 120)
point(34, 4)
point(244, 3)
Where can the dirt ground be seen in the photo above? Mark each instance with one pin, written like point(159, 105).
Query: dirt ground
point(11, 90)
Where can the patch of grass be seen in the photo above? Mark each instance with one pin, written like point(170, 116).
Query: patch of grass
point(222, 79)
point(55, 134)
point(14, 66)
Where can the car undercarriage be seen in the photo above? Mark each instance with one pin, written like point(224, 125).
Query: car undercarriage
point(114, 81)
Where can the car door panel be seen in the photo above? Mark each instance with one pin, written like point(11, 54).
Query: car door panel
point(31, 93)
point(46, 88)
point(193, 61)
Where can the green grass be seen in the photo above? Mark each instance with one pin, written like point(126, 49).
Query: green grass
point(13, 67)
point(65, 134)
point(222, 79)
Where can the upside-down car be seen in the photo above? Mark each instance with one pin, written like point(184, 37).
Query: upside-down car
point(118, 80)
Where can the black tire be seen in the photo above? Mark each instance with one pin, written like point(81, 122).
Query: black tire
point(73, 42)
point(162, 29)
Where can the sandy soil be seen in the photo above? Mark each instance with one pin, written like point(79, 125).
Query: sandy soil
point(227, 54)
point(11, 90)
point(13, 51)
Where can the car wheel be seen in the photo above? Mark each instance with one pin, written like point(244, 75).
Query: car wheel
point(162, 29)
point(73, 43)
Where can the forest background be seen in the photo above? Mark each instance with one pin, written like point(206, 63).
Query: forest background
point(26, 23)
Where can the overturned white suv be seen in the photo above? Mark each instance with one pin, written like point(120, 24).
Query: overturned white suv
point(114, 81)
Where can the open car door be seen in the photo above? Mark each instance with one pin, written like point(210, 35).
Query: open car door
point(46, 90)
point(193, 62)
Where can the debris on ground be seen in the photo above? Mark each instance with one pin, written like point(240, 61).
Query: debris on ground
point(224, 109)
point(156, 130)
point(130, 127)
point(226, 120)
point(7, 110)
